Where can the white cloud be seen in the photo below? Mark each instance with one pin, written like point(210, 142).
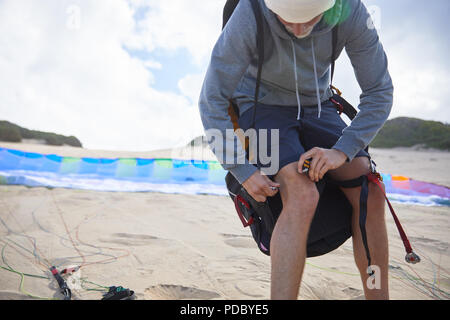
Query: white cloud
point(153, 64)
point(193, 25)
point(191, 85)
point(419, 72)
point(66, 70)
point(70, 74)
point(420, 76)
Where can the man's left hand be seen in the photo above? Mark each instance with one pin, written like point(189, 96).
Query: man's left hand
point(323, 161)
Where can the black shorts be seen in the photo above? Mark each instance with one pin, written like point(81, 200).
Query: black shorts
point(296, 136)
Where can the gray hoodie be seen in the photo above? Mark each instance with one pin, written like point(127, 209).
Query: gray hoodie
point(296, 72)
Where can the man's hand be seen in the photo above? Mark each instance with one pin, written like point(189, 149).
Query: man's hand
point(260, 186)
point(323, 161)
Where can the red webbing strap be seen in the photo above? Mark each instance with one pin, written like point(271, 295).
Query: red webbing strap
point(237, 199)
point(53, 270)
point(376, 179)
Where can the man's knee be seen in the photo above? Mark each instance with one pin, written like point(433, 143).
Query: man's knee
point(299, 194)
point(357, 167)
point(360, 166)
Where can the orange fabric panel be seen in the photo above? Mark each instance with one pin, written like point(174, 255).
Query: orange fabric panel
point(234, 120)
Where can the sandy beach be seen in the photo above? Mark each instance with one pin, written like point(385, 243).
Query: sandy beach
point(171, 246)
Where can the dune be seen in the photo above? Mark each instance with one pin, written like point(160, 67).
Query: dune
point(175, 246)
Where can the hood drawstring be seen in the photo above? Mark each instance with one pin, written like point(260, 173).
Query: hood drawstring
point(296, 81)
point(319, 103)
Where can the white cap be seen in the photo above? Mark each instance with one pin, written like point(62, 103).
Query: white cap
point(299, 11)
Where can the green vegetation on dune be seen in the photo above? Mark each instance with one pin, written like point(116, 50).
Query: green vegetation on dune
point(11, 132)
point(399, 132)
point(408, 132)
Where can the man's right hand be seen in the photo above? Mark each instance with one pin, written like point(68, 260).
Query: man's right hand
point(260, 186)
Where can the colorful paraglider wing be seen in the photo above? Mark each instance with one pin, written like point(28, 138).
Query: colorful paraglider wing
point(162, 175)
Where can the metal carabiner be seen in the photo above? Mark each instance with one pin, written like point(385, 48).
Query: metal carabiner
point(412, 258)
point(338, 92)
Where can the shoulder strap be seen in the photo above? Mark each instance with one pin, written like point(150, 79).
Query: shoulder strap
point(228, 11)
point(347, 108)
point(259, 44)
point(229, 8)
point(334, 52)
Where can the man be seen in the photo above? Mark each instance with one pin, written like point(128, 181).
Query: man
point(294, 98)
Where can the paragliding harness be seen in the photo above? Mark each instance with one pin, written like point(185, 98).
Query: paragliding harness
point(331, 225)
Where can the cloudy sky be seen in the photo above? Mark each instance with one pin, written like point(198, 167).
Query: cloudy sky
point(126, 74)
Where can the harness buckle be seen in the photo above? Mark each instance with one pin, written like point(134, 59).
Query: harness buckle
point(373, 166)
point(340, 107)
point(374, 176)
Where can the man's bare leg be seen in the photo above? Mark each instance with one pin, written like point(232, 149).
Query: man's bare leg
point(375, 227)
point(288, 243)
